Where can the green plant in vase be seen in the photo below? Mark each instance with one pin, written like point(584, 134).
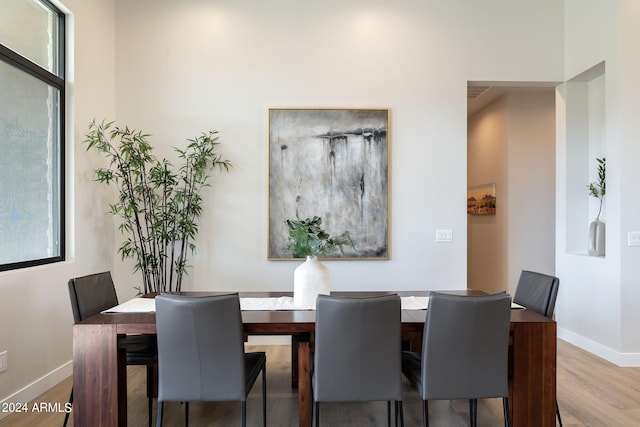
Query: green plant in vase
point(598, 189)
point(308, 239)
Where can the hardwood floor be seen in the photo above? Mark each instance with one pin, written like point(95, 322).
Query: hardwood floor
point(591, 392)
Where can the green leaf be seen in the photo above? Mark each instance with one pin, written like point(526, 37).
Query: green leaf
point(307, 238)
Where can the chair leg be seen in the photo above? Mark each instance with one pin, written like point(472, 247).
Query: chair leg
point(505, 406)
point(150, 392)
point(425, 413)
point(473, 412)
point(388, 413)
point(150, 405)
point(312, 402)
point(399, 413)
point(243, 410)
point(317, 410)
point(159, 414)
point(264, 397)
point(186, 414)
point(66, 415)
point(558, 413)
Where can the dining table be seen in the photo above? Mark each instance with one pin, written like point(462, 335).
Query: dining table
point(99, 369)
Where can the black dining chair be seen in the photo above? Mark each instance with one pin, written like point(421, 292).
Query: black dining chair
point(358, 352)
point(464, 352)
point(95, 293)
point(201, 353)
point(538, 292)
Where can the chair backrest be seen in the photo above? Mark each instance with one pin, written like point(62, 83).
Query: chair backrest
point(91, 294)
point(537, 292)
point(357, 349)
point(200, 348)
point(465, 347)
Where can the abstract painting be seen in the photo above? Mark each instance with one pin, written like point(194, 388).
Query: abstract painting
point(332, 163)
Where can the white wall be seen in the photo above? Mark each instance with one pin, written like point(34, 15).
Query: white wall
point(629, 176)
point(597, 303)
point(175, 69)
point(531, 187)
point(190, 66)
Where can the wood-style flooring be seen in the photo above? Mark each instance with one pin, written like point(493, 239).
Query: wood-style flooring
point(591, 392)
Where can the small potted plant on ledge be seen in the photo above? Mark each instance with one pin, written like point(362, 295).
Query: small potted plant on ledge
point(596, 228)
point(308, 239)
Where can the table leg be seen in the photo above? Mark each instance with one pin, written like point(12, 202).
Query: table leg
point(304, 381)
point(99, 374)
point(294, 361)
point(532, 391)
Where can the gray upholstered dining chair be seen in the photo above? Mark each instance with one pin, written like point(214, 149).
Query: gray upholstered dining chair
point(201, 353)
point(464, 351)
point(538, 292)
point(358, 352)
point(96, 292)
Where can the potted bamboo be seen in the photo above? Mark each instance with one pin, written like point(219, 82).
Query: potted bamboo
point(158, 204)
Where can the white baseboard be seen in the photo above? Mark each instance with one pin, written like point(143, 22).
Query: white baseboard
point(626, 360)
point(39, 386)
point(44, 383)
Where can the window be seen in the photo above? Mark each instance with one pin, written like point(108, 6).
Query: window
point(31, 133)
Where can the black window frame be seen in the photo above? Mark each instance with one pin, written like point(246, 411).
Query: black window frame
point(57, 81)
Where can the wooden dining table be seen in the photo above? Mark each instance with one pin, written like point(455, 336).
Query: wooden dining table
point(99, 369)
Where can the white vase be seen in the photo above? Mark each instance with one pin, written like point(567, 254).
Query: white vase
point(310, 279)
point(596, 238)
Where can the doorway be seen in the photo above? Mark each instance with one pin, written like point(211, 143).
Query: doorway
point(511, 143)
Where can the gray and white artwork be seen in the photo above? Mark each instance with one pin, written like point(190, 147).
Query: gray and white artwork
point(332, 163)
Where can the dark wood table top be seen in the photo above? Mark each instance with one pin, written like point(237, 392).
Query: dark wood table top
point(289, 320)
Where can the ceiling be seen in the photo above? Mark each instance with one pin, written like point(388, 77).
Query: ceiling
point(481, 94)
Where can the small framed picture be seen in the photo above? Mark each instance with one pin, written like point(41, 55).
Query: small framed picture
point(481, 199)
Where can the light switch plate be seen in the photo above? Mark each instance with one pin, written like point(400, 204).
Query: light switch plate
point(3, 361)
point(633, 238)
point(444, 235)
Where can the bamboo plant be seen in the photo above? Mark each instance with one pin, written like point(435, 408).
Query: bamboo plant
point(158, 205)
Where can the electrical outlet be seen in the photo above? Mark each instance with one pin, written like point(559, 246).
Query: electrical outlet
point(3, 361)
